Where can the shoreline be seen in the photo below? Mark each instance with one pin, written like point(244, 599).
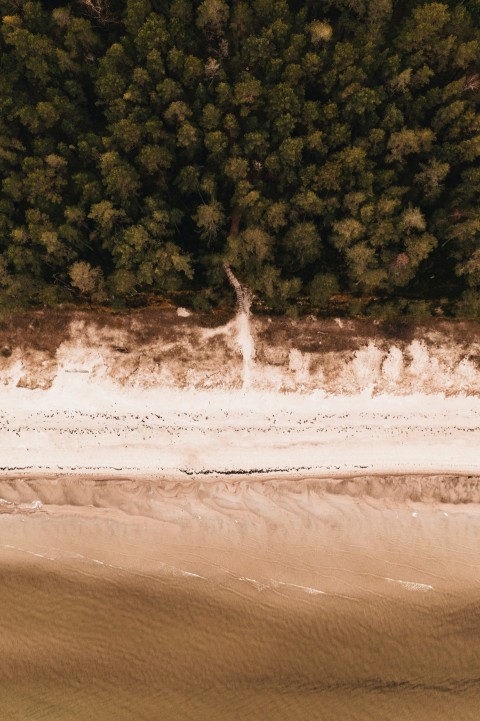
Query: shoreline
point(121, 475)
point(34, 492)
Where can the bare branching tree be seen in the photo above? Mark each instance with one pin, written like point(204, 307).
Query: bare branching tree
point(99, 10)
point(243, 293)
point(472, 82)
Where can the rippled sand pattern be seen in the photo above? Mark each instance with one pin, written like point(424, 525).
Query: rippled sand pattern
point(256, 600)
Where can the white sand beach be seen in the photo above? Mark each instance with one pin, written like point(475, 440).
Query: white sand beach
point(249, 397)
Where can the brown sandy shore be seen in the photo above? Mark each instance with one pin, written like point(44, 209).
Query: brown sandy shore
point(341, 598)
point(264, 534)
point(33, 493)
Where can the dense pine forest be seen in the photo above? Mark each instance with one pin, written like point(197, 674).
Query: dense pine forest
point(327, 150)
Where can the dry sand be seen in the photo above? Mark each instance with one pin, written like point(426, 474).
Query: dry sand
point(81, 425)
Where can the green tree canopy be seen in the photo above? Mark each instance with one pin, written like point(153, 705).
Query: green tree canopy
point(316, 147)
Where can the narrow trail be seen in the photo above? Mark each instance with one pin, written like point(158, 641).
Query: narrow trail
point(243, 326)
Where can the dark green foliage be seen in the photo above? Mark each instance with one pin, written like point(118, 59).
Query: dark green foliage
point(320, 148)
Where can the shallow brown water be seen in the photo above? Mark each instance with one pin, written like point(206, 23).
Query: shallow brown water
point(235, 602)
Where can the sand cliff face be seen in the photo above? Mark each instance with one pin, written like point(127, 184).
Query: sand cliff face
point(171, 348)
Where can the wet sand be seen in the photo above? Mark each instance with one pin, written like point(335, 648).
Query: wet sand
point(322, 599)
